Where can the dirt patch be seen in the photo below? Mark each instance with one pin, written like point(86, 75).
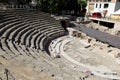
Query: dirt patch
point(21, 71)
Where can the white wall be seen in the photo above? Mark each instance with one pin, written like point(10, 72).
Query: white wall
point(110, 8)
point(113, 6)
point(87, 7)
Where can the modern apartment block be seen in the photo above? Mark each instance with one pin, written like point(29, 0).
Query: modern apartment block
point(106, 6)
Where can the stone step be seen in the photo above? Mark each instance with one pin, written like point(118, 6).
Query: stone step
point(8, 26)
point(21, 33)
point(8, 22)
point(5, 46)
point(10, 30)
point(6, 55)
point(25, 35)
point(16, 32)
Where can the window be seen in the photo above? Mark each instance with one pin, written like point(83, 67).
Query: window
point(96, 5)
point(106, 5)
point(100, 6)
point(109, 0)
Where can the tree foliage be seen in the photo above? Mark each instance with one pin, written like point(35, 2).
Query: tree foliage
point(3, 1)
point(53, 6)
point(82, 3)
point(59, 5)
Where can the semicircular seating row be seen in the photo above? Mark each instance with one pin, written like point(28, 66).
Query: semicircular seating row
point(22, 31)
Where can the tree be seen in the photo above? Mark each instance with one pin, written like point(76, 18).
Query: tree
point(52, 6)
point(82, 3)
point(43, 5)
point(3, 1)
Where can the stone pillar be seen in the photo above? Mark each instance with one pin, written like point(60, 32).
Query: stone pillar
point(12, 6)
point(20, 7)
point(16, 6)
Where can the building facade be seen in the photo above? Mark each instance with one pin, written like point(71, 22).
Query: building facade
point(106, 6)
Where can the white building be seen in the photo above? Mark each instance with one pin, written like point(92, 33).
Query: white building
point(106, 6)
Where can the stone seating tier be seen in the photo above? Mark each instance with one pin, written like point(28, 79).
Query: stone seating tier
point(24, 40)
point(27, 30)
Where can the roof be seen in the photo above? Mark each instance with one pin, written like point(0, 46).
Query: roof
point(117, 12)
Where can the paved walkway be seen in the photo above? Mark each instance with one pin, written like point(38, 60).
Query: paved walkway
point(104, 37)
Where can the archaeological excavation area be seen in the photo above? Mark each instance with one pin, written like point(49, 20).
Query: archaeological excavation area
point(35, 46)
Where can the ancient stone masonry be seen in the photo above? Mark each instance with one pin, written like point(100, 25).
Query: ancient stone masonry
point(34, 46)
